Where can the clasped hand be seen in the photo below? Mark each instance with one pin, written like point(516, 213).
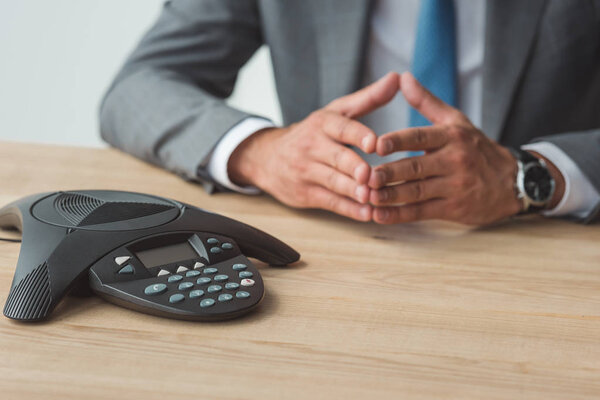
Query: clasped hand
point(462, 175)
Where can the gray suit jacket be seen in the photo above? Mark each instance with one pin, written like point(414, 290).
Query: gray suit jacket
point(541, 74)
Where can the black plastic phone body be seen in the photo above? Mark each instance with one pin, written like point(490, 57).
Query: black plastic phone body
point(100, 237)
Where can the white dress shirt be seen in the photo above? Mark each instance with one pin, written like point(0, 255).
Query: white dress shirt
point(390, 48)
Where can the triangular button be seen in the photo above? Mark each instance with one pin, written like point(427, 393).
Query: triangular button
point(128, 269)
point(198, 265)
point(122, 260)
point(181, 268)
point(163, 272)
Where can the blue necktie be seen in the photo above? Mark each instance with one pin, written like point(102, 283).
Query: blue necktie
point(434, 59)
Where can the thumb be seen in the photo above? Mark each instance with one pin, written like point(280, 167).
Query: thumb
point(367, 99)
point(422, 100)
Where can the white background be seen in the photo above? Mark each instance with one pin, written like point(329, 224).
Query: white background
point(58, 57)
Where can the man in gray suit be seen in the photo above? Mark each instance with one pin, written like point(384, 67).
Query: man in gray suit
point(524, 74)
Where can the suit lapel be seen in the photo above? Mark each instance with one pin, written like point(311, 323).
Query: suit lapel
point(511, 27)
point(342, 32)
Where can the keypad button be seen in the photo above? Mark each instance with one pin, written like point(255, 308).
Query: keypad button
point(163, 272)
point(214, 288)
point(212, 240)
point(232, 285)
point(227, 246)
point(240, 267)
point(221, 278)
point(155, 289)
point(216, 250)
point(210, 270)
point(196, 293)
point(191, 274)
point(181, 269)
point(246, 274)
point(176, 298)
point(127, 270)
point(225, 297)
point(242, 294)
point(203, 280)
point(247, 282)
point(122, 260)
point(186, 285)
point(198, 265)
point(207, 303)
point(174, 278)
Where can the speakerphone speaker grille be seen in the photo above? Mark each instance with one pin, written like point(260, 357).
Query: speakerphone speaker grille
point(74, 207)
point(83, 210)
point(30, 299)
point(114, 212)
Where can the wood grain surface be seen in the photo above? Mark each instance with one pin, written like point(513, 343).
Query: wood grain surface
point(416, 311)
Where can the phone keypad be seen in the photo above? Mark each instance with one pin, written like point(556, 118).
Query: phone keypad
point(208, 282)
point(216, 284)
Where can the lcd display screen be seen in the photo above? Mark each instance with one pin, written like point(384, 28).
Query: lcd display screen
point(166, 254)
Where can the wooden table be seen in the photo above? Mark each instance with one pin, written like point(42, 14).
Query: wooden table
point(417, 311)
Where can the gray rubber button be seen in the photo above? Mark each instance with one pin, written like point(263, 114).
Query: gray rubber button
point(207, 303)
point(128, 269)
point(221, 278)
point(227, 246)
point(210, 270)
point(196, 293)
point(216, 250)
point(246, 274)
point(176, 298)
point(225, 297)
point(191, 274)
point(203, 280)
point(232, 285)
point(242, 294)
point(212, 240)
point(155, 289)
point(186, 286)
point(214, 288)
point(239, 267)
point(174, 278)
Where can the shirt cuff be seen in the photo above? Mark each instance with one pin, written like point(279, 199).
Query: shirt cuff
point(217, 164)
point(580, 196)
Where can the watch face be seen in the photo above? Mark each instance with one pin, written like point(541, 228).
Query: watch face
point(538, 183)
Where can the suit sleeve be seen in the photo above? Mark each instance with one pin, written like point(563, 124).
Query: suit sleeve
point(584, 149)
point(166, 105)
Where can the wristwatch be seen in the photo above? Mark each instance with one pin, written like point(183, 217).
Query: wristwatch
point(534, 184)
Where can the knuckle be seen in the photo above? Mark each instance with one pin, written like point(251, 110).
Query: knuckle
point(416, 167)
point(462, 158)
point(455, 209)
point(412, 213)
point(420, 137)
point(332, 180)
point(337, 158)
point(458, 133)
point(418, 191)
point(333, 203)
point(463, 183)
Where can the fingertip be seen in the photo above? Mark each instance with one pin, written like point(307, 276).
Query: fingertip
point(368, 143)
point(381, 215)
point(377, 178)
point(362, 194)
point(365, 213)
point(373, 197)
point(384, 146)
point(361, 173)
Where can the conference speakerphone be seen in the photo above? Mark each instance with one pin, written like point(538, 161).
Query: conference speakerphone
point(143, 252)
